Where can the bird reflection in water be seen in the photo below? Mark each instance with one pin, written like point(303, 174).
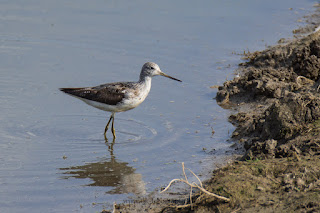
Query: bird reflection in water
point(109, 172)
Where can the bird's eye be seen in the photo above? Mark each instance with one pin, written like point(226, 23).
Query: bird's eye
point(152, 68)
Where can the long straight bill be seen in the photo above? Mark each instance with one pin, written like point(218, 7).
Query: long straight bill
point(168, 76)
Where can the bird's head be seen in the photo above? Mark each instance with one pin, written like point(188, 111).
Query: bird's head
point(152, 69)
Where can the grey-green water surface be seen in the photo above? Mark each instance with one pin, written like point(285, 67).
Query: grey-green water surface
point(53, 157)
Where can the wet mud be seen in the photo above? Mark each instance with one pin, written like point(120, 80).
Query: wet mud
point(277, 100)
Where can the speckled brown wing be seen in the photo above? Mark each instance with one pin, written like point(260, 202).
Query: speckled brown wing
point(110, 94)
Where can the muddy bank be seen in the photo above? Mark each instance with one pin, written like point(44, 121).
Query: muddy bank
point(278, 103)
point(277, 98)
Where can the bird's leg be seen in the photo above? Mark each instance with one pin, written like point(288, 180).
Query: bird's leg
point(112, 127)
point(106, 129)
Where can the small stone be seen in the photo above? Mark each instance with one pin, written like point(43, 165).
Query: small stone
point(260, 188)
point(300, 182)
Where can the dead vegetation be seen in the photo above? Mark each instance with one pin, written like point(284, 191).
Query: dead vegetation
point(192, 186)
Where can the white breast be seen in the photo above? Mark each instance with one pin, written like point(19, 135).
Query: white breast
point(134, 99)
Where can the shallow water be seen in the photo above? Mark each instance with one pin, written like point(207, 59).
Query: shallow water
point(53, 156)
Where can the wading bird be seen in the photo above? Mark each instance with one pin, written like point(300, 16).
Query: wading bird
point(119, 96)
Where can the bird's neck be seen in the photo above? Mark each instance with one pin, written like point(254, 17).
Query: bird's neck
point(145, 80)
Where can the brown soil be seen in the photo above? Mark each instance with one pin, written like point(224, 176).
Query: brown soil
point(278, 100)
point(278, 123)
